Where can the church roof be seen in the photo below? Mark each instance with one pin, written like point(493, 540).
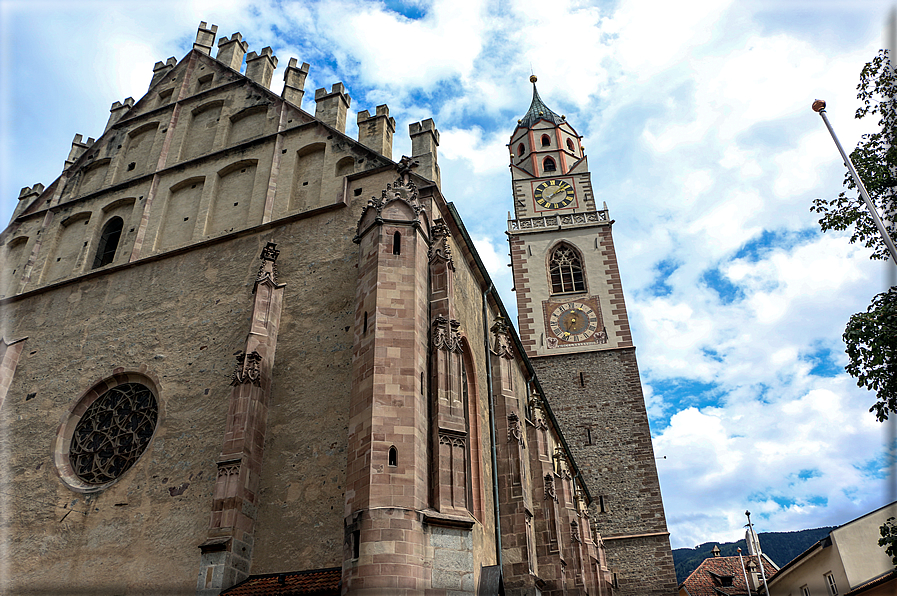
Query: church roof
point(320, 582)
point(538, 110)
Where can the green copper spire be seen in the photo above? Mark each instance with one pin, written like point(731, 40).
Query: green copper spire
point(538, 110)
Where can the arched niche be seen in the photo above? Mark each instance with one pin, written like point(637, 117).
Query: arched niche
point(202, 129)
point(308, 173)
point(233, 193)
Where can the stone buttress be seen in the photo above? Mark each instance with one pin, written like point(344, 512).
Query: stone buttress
point(387, 468)
point(227, 553)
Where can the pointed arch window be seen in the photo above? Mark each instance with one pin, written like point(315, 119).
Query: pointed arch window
point(108, 242)
point(548, 165)
point(520, 149)
point(570, 144)
point(546, 141)
point(565, 269)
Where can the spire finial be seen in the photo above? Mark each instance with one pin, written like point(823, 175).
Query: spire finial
point(533, 79)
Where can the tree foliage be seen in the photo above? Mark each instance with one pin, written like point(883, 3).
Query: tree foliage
point(888, 539)
point(875, 159)
point(871, 339)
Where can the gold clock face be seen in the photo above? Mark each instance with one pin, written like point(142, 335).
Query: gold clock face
point(573, 322)
point(554, 194)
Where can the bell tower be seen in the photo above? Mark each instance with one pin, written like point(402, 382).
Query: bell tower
point(573, 325)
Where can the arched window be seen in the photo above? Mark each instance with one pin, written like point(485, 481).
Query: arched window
point(397, 244)
point(570, 145)
point(565, 269)
point(548, 165)
point(393, 457)
point(108, 242)
point(520, 149)
point(546, 141)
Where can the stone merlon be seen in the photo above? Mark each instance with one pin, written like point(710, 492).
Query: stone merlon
point(377, 131)
point(331, 108)
point(118, 110)
point(294, 82)
point(260, 67)
point(231, 51)
point(424, 141)
point(78, 149)
point(205, 37)
point(161, 69)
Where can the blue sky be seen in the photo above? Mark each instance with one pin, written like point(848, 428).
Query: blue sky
point(697, 123)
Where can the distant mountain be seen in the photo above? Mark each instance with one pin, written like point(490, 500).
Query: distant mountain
point(781, 547)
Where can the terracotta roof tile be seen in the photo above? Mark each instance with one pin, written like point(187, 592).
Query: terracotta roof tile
point(320, 582)
point(712, 573)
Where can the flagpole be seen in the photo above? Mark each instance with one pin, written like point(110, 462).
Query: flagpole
point(743, 570)
point(755, 540)
point(819, 108)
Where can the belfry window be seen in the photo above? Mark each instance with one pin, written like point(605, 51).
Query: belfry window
point(570, 145)
point(565, 270)
point(520, 149)
point(108, 242)
point(548, 165)
point(546, 141)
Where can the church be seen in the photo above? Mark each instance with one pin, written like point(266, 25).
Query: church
point(244, 353)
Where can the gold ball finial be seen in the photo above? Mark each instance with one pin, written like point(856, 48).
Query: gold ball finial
point(533, 79)
point(819, 105)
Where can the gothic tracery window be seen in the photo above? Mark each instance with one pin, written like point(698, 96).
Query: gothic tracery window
point(565, 269)
point(548, 165)
point(113, 433)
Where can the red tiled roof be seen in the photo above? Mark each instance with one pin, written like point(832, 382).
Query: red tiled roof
point(708, 578)
point(320, 582)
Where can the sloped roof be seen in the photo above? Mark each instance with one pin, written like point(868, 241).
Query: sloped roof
point(538, 111)
point(320, 582)
point(707, 579)
point(881, 580)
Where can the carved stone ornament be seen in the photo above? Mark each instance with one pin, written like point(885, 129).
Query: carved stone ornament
point(268, 269)
point(574, 531)
point(550, 492)
point(402, 189)
point(515, 432)
point(439, 248)
point(247, 369)
point(501, 339)
point(537, 407)
point(452, 440)
point(446, 334)
point(560, 459)
point(229, 468)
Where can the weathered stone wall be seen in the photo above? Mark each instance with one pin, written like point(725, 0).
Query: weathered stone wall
point(606, 425)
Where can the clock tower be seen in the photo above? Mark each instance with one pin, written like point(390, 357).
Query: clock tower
point(574, 327)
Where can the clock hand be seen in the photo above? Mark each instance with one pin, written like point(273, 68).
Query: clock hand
point(554, 194)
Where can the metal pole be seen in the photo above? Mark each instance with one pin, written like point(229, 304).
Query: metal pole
point(819, 107)
point(747, 585)
point(759, 552)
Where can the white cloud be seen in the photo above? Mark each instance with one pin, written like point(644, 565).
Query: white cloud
point(700, 138)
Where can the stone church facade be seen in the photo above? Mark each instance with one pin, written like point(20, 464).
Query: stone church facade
point(239, 346)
